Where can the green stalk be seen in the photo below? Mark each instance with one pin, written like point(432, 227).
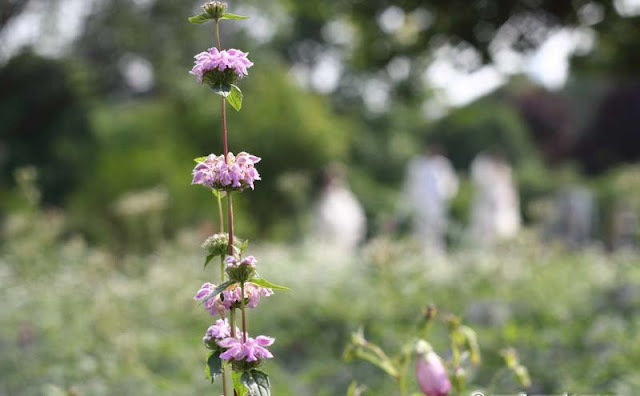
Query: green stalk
point(244, 317)
point(230, 214)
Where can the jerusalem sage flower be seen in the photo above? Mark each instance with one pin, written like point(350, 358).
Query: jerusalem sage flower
point(250, 350)
point(236, 173)
point(212, 65)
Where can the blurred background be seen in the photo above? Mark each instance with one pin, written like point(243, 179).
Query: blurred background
point(529, 107)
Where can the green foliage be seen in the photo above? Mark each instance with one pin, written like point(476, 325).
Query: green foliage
point(228, 15)
point(486, 124)
point(45, 124)
point(238, 384)
point(213, 367)
point(98, 300)
point(234, 98)
point(256, 382)
point(201, 18)
point(208, 259)
point(266, 283)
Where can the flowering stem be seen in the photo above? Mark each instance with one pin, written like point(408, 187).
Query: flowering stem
point(225, 143)
point(244, 316)
point(222, 269)
point(224, 130)
point(232, 324)
point(224, 378)
point(220, 216)
point(218, 34)
point(232, 316)
point(230, 221)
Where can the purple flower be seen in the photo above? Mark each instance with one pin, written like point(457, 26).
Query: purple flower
point(430, 372)
point(251, 350)
point(252, 292)
point(218, 62)
point(234, 174)
point(214, 305)
point(205, 289)
point(219, 330)
point(218, 306)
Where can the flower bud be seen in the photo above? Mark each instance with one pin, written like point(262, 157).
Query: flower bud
point(240, 270)
point(217, 244)
point(430, 372)
point(215, 9)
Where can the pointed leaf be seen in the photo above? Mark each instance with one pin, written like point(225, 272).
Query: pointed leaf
point(257, 382)
point(244, 245)
point(238, 385)
point(227, 15)
point(198, 19)
point(221, 89)
point(221, 287)
point(199, 159)
point(209, 258)
point(235, 97)
point(214, 366)
point(266, 283)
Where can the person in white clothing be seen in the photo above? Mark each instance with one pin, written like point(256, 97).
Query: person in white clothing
point(495, 211)
point(430, 184)
point(338, 218)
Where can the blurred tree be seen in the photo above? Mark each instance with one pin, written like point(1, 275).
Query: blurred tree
point(44, 124)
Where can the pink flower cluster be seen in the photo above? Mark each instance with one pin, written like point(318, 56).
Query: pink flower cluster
point(215, 60)
point(216, 305)
point(234, 262)
point(218, 331)
point(250, 350)
point(235, 173)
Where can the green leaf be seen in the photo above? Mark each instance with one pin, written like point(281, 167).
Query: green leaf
point(198, 19)
point(238, 385)
point(257, 382)
point(221, 89)
point(209, 258)
point(199, 159)
point(221, 287)
point(244, 245)
point(266, 283)
point(235, 97)
point(214, 366)
point(217, 193)
point(227, 15)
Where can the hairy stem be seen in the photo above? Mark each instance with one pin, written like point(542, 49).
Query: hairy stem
point(244, 316)
point(230, 213)
point(232, 324)
point(224, 378)
point(217, 27)
point(230, 221)
point(220, 215)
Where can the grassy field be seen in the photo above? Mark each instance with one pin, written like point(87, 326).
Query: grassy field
point(78, 317)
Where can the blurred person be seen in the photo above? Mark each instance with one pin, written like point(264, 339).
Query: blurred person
point(495, 210)
point(338, 218)
point(574, 219)
point(430, 184)
point(625, 227)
